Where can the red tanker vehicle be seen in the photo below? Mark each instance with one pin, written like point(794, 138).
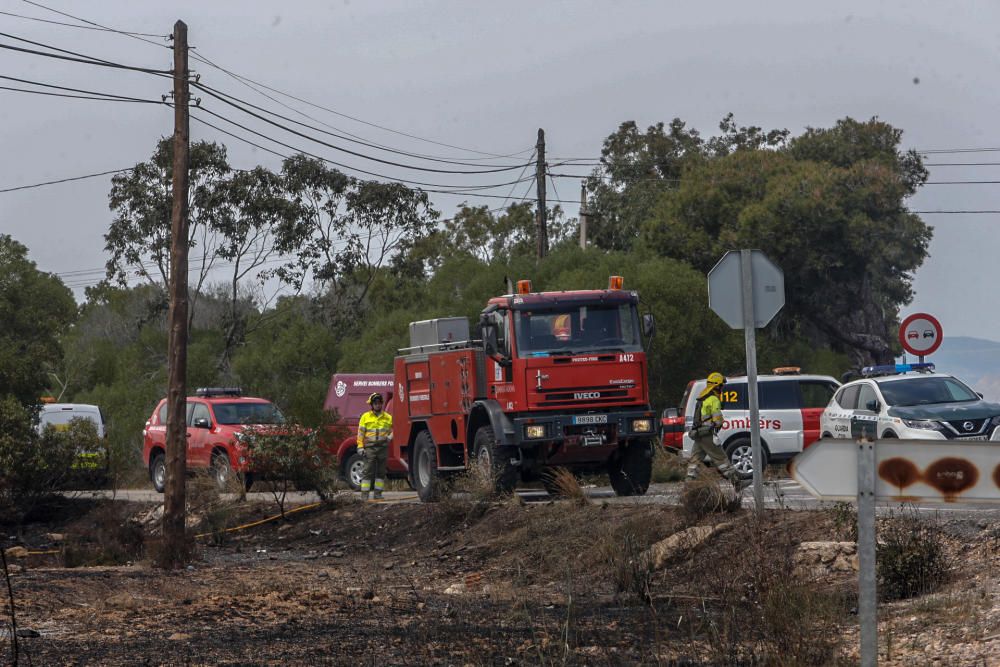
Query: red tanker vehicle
point(551, 379)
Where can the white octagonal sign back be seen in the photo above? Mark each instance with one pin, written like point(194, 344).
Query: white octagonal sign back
point(725, 289)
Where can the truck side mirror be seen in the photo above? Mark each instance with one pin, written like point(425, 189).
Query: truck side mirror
point(490, 340)
point(670, 413)
point(202, 422)
point(872, 406)
point(648, 325)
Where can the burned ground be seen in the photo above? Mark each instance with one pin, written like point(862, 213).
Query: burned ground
point(465, 582)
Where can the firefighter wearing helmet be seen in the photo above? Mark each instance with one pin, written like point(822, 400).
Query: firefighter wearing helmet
point(707, 423)
point(374, 434)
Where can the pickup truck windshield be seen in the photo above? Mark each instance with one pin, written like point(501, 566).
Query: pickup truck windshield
point(577, 329)
point(925, 391)
point(248, 413)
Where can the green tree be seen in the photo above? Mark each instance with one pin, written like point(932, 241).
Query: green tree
point(830, 210)
point(35, 308)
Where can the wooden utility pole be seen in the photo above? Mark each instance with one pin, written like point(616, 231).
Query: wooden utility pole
point(541, 230)
point(583, 215)
point(175, 542)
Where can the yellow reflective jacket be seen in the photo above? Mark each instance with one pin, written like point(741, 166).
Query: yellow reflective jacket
point(711, 412)
point(374, 429)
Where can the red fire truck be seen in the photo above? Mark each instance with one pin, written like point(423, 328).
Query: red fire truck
point(551, 379)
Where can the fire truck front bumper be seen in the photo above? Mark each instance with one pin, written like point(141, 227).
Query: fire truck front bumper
point(590, 430)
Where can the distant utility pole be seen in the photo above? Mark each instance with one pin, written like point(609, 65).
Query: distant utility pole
point(583, 215)
point(541, 231)
point(175, 543)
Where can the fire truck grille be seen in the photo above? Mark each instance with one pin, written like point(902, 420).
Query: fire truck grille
point(585, 395)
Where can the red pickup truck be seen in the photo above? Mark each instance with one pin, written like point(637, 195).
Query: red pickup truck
point(348, 395)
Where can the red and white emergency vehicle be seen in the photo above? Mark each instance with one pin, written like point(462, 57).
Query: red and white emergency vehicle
point(348, 396)
point(551, 379)
point(790, 403)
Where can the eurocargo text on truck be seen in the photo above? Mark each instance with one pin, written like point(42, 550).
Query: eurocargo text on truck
point(551, 379)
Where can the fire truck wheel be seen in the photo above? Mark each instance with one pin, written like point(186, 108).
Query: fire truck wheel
point(354, 470)
point(631, 469)
point(426, 479)
point(492, 462)
point(158, 472)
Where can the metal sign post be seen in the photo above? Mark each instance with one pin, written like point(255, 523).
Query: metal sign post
point(750, 340)
point(747, 290)
point(867, 597)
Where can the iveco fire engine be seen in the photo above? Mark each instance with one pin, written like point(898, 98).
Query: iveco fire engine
point(551, 379)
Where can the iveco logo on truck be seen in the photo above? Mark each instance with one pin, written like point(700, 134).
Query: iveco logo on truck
point(583, 395)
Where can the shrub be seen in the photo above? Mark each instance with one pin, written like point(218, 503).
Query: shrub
point(33, 466)
point(106, 537)
point(909, 558)
point(290, 456)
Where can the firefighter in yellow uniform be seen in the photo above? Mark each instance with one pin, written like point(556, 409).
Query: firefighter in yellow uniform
point(374, 434)
point(707, 423)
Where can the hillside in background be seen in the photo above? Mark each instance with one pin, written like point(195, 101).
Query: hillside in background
point(974, 360)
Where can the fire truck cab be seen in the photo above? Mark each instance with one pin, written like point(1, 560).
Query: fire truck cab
point(550, 379)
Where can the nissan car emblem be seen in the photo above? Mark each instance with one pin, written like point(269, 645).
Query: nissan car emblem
point(968, 426)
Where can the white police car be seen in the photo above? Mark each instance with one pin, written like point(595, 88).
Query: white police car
point(911, 401)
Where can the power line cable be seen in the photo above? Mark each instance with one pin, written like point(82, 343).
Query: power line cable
point(66, 180)
point(74, 25)
point(250, 83)
point(344, 166)
point(78, 97)
point(520, 176)
point(216, 93)
point(111, 96)
point(76, 57)
point(354, 118)
point(295, 132)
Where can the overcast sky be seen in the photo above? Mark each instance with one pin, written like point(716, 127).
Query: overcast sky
point(486, 75)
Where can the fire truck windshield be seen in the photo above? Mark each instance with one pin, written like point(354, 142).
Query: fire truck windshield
point(575, 329)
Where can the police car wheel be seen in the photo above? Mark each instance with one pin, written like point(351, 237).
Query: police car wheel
point(740, 453)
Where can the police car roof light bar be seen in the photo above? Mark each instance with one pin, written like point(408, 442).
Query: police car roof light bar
point(894, 369)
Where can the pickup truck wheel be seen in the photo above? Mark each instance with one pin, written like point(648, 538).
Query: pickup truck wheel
point(492, 462)
point(631, 469)
point(222, 471)
point(354, 470)
point(740, 453)
point(158, 473)
point(426, 479)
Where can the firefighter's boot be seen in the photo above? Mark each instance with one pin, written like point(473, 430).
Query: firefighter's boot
point(379, 487)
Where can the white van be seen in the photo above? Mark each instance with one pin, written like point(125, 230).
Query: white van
point(790, 408)
point(58, 415)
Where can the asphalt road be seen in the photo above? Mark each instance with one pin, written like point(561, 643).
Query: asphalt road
point(780, 493)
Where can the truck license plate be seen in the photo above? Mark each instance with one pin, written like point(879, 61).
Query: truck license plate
point(590, 419)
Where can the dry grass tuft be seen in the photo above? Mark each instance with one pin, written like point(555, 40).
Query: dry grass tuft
point(707, 495)
point(561, 482)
